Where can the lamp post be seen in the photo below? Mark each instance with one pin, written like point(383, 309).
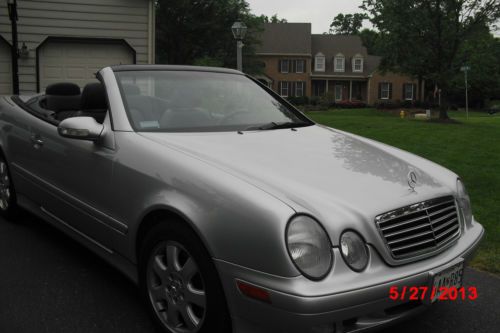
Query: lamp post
point(465, 69)
point(239, 31)
point(12, 6)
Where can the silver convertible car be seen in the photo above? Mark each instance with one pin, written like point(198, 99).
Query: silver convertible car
point(231, 209)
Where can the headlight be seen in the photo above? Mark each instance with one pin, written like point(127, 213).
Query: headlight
point(354, 250)
point(464, 202)
point(309, 247)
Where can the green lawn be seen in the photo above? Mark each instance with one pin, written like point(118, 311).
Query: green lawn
point(470, 148)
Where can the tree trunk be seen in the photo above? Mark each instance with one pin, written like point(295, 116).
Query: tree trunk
point(443, 108)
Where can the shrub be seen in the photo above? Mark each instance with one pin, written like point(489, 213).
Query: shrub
point(389, 104)
point(353, 104)
point(298, 100)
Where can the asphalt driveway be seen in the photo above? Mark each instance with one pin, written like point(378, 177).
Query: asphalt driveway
point(49, 283)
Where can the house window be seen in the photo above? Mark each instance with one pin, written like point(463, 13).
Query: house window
point(339, 63)
point(357, 64)
point(284, 66)
point(319, 62)
point(284, 89)
point(408, 92)
point(385, 90)
point(299, 88)
point(299, 66)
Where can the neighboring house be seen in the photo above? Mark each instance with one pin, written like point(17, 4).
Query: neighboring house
point(69, 40)
point(298, 63)
point(286, 53)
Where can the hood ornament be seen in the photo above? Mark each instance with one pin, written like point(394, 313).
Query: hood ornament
point(412, 180)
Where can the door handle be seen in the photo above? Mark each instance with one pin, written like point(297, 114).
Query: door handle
point(37, 141)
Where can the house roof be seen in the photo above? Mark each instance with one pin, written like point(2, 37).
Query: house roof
point(285, 38)
point(347, 45)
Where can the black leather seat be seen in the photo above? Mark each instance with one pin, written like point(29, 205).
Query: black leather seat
point(64, 96)
point(94, 102)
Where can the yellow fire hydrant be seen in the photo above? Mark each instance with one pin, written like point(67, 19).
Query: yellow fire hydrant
point(402, 114)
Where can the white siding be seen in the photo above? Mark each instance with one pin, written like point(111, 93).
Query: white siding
point(39, 19)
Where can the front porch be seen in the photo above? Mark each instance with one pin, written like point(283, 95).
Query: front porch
point(341, 89)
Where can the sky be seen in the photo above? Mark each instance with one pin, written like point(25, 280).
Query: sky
point(318, 12)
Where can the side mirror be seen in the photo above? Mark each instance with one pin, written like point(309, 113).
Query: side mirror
point(82, 128)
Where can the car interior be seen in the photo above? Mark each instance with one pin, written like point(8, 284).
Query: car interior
point(64, 100)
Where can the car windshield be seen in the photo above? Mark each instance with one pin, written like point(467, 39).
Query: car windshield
point(197, 101)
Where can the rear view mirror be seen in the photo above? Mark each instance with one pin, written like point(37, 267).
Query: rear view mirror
point(83, 128)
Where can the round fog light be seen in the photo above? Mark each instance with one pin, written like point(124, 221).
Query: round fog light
point(354, 250)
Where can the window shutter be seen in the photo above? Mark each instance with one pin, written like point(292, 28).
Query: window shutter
point(403, 97)
point(294, 65)
point(415, 97)
point(379, 90)
point(292, 89)
point(279, 67)
point(279, 88)
point(390, 90)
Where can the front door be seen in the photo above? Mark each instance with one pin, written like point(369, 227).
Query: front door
point(339, 89)
point(76, 177)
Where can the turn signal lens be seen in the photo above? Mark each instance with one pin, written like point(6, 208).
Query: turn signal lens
point(253, 292)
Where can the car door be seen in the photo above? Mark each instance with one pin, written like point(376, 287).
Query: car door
point(76, 176)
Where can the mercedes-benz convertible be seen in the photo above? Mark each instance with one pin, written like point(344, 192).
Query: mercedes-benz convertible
point(232, 210)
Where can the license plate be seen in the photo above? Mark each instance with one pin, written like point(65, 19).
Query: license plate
point(449, 277)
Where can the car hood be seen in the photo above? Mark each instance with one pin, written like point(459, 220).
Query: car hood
point(333, 175)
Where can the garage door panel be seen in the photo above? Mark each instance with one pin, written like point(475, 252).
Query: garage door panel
point(78, 62)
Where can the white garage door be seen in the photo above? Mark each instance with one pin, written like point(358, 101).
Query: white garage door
point(5, 69)
point(78, 62)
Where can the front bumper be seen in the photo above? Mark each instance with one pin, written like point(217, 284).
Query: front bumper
point(345, 301)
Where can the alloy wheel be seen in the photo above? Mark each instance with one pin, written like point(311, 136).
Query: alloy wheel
point(4, 186)
point(176, 288)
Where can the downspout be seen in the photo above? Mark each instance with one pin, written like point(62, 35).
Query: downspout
point(14, 49)
point(151, 32)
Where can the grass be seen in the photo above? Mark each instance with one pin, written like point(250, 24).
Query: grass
point(471, 148)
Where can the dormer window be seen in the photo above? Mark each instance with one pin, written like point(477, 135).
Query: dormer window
point(319, 62)
point(357, 63)
point(339, 63)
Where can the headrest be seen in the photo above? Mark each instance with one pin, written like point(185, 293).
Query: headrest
point(62, 89)
point(94, 97)
point(131, 89)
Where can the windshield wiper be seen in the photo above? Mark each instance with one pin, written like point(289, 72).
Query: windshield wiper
point(275, 125)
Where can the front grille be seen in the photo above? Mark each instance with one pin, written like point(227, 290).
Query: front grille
point(420, 228)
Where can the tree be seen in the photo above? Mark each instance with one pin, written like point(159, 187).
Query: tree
point(481, 53)
point(423, 38)
point(348, 24)
point(199, 32)
point(273, 19)
point(371, 40)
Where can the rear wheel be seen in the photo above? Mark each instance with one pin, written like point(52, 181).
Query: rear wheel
point(8, 204)
point(180, 283)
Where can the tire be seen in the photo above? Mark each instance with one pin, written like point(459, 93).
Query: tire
point(8, 202)
point(179, 281)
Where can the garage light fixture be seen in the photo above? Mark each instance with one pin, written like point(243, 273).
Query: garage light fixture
point(24, 53)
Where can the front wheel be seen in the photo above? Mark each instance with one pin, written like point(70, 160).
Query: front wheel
point(180, 283)
point(8, 204)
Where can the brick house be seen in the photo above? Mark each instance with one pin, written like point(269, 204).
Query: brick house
point(298, 63)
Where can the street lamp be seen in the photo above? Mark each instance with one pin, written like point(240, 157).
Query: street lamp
point(239, 31)
point(12, 6)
